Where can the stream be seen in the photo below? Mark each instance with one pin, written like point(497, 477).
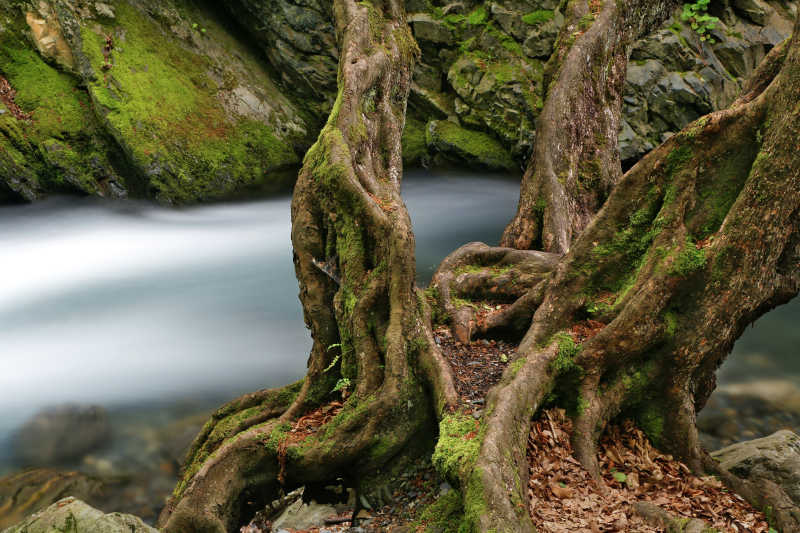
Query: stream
point(163, 312)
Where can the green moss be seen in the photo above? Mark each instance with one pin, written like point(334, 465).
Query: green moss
point(517, 365)
point(445, 515)
point(677, 159)
point(478, 16)
point(567, 352)
point(586, 22)
point(63, 145)
point(651, 421)
point(415, 148)
point(539, 16)
point(472, 146)
point(671, 321)
point(460, 438)
point(162, 106)
point(689, 260)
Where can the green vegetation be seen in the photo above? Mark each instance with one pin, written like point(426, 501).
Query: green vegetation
point(696, 14)
point(460, 438)
point(540, 16)
point(163, 109)
point(689, 260)
point(472, 146)
point(478, 16)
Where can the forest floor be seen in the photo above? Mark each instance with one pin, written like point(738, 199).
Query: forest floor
point(642, 489)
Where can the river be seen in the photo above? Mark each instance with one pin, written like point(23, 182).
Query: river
point(129, 304)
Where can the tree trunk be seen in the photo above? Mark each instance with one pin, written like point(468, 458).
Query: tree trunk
point(695, 242)
point(575, 162)
point(354, 259)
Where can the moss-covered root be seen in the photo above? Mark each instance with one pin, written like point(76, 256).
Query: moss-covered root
point(487, 459)
point(477, 272)
point(575, 161)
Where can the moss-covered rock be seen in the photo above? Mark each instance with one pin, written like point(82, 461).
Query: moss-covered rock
point(73, 516)
point(455, 143)
point(157, 98)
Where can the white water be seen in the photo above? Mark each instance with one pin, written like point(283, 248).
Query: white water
point(122, 304)
point(128, 304)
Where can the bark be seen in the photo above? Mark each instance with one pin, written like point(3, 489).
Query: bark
point(575, 163)
point(354, 259)
point(695, 242)
point(698, 240)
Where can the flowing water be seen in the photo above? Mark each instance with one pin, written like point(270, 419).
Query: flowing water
point(129, 304)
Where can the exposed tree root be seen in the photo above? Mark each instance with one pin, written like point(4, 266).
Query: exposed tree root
point(477, 272)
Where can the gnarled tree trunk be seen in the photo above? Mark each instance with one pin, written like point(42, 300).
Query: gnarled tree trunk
point(575, 163)
point(696, 241)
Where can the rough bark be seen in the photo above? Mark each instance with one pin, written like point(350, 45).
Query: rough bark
point(575, 163)
point(696, 241)
point(699, 239)
point(354, 259)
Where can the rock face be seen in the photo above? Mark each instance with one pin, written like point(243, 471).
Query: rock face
point(62, 434)
point(775, 458)
point(182, 101)
point(73, 516)
point(142, 99)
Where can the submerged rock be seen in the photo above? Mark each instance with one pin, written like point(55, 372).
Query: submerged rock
point(73, 516)
point(62, 434)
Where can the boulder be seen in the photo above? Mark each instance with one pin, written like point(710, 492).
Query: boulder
point(74, 516)
point(477, 148)
point(62, 434)
point(430, 30)
point(775, 458)
point(28, 492)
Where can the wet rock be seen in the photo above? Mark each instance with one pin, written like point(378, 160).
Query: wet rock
point(775, 458)
point(28, 492)
point(62, 434)
point(73, 515)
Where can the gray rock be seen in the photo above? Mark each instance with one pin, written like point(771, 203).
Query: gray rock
point(428, 29)
point(62, 434)
point(74, 516)
point(775, 458)
point(300, 515)
point(755, 10)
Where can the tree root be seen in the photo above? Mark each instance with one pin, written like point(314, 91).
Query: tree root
point(499, 275)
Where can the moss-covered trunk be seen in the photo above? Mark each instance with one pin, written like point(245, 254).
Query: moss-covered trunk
point(354, 259)
point(575, 162)
point(696, 241)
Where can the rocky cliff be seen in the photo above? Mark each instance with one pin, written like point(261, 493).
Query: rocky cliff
point(188, 100)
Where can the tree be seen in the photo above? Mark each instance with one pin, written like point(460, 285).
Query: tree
point(695, 242)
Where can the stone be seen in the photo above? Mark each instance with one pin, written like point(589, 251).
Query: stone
point(62, 434)
point(104, 10)
point(74, 516)
point(28, 492)
point(428, 29)
point(301, 515)
point(774, 458)
point(755, 10)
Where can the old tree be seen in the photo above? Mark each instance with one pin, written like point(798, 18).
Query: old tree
point(672, 260)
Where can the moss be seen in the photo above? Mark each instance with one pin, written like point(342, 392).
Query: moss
point(586, 22)
point(539, 16)
point(460, 438)
point(478, 16)
point(63, 145)
point(689, 260)
point(671, 321)
point(517, 365)
point(445, 515)
point(567, 352)
point(472, 146)
point(415, 147)
point(651, 420)
point(677, 159)
point(162, 106)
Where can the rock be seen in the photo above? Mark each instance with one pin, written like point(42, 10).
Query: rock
point(74, 516)
point(475, 147)
point(775, 458)
point(29, 492)
point(428, 29)
point(658, 517)
point(755, 10)
point(301, 515)
point(62, 434)
point(104, 10)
